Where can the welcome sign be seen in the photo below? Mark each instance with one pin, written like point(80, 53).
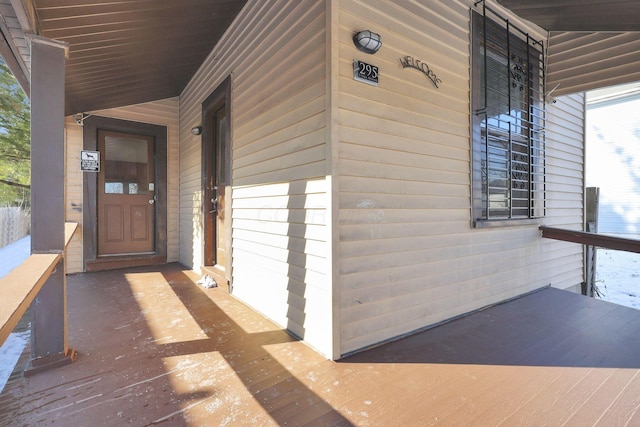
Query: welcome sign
point(411, 62)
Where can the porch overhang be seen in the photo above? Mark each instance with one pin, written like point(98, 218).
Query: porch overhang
point(120, 53)
point(124, 53)
point(591, 44)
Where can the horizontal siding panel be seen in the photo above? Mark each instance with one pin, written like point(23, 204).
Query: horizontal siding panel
point(559, 132)
point(382, 171)
point(404, 151)
point(409, 292)
point(275, 53)
point(302, 156)
point(400, 216)
point(279, 256)
point(303, 216)
point(288, 303)
point(355, 232)
point(408, 254)
point(309, 103)
point(279, 32)
point(284, 271)
point(427, 141)
point(293, 230)
point(359, 248)
point(487, 257)
point(407, 94)
point(403, 201)
point(390, 156)
point(361, 185)
point(282, 201)
point(288, 148)
point(74, 195)
point(280, 72)
point(565, 168)
point(290, 242)
point(442, 299)
point(561, 168)
point(307, 186)
point(397, 117)
point(412, 31)
point(405, 133)
point(557, 148)
point(295, 173)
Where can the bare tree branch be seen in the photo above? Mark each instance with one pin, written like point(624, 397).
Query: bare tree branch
point(15, 184)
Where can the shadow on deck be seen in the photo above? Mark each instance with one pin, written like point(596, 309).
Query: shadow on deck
point(156, 349)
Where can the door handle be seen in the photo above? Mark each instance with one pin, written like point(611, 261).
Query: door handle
point(151, 201)
point(214, 200)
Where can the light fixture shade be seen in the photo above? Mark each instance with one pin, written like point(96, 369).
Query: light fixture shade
point(367, 41)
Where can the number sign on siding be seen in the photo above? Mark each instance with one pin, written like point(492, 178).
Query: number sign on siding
point(365, 73)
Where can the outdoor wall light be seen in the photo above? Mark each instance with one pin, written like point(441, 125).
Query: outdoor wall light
point(196, 130)
point(367, 42)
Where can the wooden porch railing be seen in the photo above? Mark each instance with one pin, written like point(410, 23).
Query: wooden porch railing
point(21, 286)
point(591, 239)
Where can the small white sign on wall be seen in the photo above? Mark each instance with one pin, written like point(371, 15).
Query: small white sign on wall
point(90, 161)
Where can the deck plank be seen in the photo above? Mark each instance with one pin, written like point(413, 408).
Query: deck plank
point(570, 388)
point(156, 348)
point(596, 407)
point(627, 404)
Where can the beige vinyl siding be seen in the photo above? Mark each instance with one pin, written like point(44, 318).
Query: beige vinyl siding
point(408, 256)
point(73, 194)
point(275, 53)
point(163, 113)
point(565, 188)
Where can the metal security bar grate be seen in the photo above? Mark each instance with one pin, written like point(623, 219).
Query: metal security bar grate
point(509, 120)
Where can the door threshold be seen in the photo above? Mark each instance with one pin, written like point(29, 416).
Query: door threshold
point(113, 262)
point(128, 254)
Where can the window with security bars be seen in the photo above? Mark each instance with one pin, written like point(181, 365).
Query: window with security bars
point(508, 119)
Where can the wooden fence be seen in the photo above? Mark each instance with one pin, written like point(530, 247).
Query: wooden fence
point(15, 223)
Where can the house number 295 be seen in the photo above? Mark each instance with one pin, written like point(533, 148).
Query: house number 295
point(365, 73)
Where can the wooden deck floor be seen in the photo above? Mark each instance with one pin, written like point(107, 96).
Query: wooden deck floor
point(156, 349)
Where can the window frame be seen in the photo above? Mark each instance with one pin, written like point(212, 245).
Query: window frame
point(530, 121)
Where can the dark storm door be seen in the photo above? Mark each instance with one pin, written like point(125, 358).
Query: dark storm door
point(217, 179)
point(126, 194)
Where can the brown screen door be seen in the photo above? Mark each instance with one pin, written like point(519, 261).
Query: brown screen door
point(126, 194)
point(217, 179)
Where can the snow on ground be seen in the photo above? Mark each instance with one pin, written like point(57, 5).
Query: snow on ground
point(10, 353)
point(12, 256)
point(618, 277)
